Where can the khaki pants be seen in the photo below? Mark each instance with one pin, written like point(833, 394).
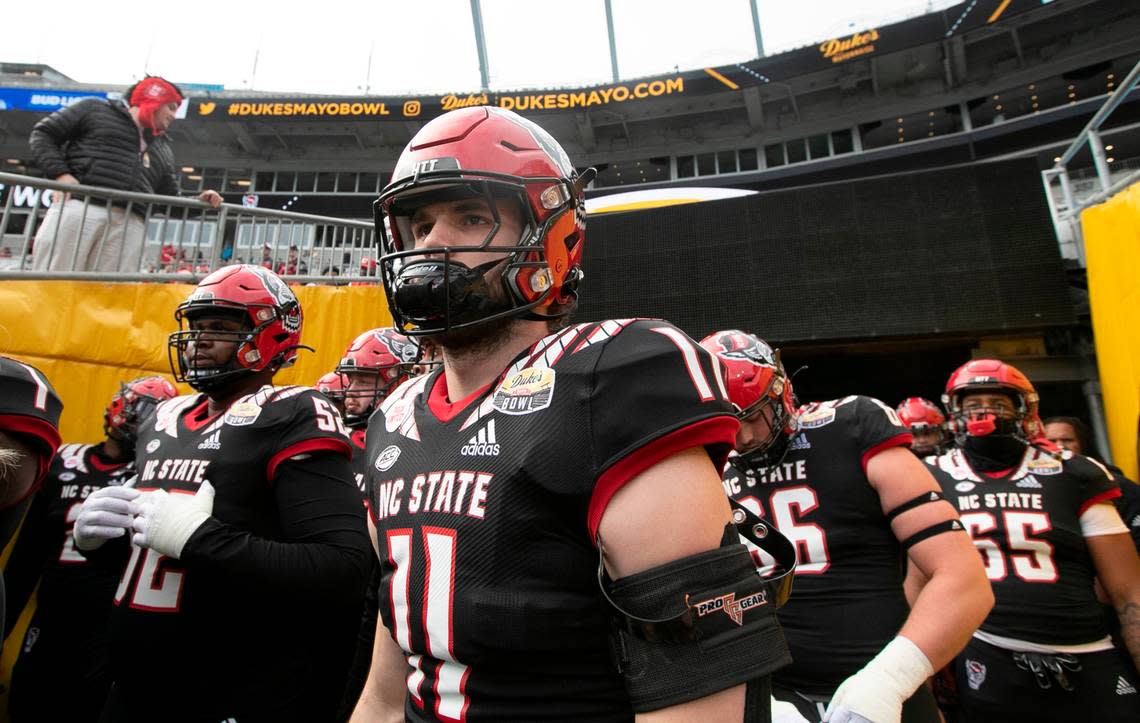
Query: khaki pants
point(99, 239)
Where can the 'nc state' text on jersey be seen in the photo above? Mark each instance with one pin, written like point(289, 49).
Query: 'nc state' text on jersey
point(455, 492)
point(784, 472)
point(1009, 500)
point(175, 470)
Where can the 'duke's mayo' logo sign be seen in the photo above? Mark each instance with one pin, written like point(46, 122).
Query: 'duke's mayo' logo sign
point(839, 50)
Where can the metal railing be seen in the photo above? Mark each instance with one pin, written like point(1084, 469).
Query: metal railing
point(1065, 207)
point(105, 234)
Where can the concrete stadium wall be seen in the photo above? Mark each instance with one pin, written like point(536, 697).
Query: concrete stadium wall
point(1112, 247)
point(87, 336)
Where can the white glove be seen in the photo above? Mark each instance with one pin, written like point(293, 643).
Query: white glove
point(877, 692)
point(165, 521)
point(105, 515)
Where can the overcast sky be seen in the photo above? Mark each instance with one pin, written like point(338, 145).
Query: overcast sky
point(415, 46)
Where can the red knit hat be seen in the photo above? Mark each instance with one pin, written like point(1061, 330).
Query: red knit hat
point(148, 95)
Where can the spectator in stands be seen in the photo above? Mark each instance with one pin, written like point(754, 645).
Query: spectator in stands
point(1073, 434)
point(289, 267)
point(112, 144)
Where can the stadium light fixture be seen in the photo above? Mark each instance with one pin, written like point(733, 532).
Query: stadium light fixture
point(1109, 147)
point(188, 169)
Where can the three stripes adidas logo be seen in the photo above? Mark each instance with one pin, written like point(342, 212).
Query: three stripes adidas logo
point(1123, 687)
point(483, 444)
point(214, 441)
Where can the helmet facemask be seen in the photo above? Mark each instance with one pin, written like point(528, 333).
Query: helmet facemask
point(386, 379)
point(243, 360)
point(127, 409)
point(432, 291)
point(922, 448)
point(989, 421)
point(772, 448)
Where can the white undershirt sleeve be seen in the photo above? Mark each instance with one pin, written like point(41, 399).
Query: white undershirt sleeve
point(1102, 519)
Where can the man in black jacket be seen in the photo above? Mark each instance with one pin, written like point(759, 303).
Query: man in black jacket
point(112, 144)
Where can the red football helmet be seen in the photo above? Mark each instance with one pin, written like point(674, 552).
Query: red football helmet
point(134, 401)
point(926, 422)
point(264, 304)
point(383, 356)
point(916, 412)
point(991, 375)
point(483, 153)
point(331, 385)
point(756, 382)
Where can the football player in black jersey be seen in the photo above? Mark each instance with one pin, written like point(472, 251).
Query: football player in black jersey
point(1043, 521)
point(29, 437)
point(500, 479)
point(372, 366)
point(836, 478)
point(1072, 434)
point(243, 531)
point(927, 425)
point(66, 640)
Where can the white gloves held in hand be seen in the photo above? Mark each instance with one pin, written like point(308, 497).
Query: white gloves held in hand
point(164, 521)
point(105, 515)
point(160, 520)
point(877, 692)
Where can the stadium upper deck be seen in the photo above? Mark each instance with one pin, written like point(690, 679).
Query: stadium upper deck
point(981, 79)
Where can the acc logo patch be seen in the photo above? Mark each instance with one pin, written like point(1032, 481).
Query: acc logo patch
point(242, 414)
point(387, 458)
point(964, 486)
point(1044, 465)
point(66, 476)
point(817, 418)
point(525, 391)
point(152, 445)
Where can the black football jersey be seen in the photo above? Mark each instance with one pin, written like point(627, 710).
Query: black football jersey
point(848, 598)
point(1128, 504)
point(487, 510)
point(177, 625)
point(71, 588)
point(1025, 523)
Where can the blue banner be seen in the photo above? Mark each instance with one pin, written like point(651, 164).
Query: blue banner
point(45, 100)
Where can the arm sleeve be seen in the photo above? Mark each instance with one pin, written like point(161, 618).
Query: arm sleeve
point(50, 134)
point(656, 392)
point(324, 553)
point(1102, 519)
point(879, 427)
point(31, 551)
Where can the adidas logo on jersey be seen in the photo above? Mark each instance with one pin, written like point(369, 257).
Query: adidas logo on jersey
point(212, 442)
point(1030, 482)
point(483, 444)
point(1123, 687)
point(800, 441)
